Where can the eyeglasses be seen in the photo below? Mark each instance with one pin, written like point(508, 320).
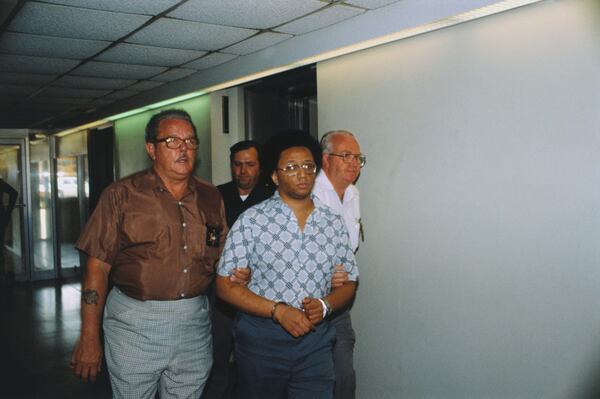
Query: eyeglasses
point(175, 143)
point(348, 158)
point(292, 169)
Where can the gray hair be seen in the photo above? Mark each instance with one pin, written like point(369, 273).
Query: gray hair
point(327, 138)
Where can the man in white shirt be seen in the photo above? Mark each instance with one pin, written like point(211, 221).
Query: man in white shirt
point(334, 186)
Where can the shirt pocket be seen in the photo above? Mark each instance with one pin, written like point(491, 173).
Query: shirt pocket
point(144, 228)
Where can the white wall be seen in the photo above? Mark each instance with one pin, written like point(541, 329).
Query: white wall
point(221, 142)
point(480, 274)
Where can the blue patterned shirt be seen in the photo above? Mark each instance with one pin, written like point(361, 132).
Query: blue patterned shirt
point(288, 264)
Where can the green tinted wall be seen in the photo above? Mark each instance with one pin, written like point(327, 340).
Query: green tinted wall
point(130, 145)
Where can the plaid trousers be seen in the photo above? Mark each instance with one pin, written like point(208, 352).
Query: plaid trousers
point(157, 345)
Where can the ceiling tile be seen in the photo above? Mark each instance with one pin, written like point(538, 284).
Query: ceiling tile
point(257, 42)
point(257, 14)
point(49, 107)
point(329, 16)
point(119, 71)
point(210, 61)
point(102, 101)
point(174, 74)
point(148, 55)
point(18, 90)
point(26, 64)
point(25, 78)
point(370, 4)
point(147, 7)
point(80, 82)
point(58, 100)
point(47, 46)
point(145, 85)
point(118, 95)
point(6, 7)
point(8, 99)
point(167, 32)
point(53, 91)
point(80, 23)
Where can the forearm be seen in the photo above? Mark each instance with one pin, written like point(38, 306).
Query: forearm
point(93, 297)
point(242, 298)
point(341, 296)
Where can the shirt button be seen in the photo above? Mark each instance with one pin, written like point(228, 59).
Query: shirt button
point(180, 203)
point(185, 247)
point(185, 270)
point(182, 295)
point(183, 224)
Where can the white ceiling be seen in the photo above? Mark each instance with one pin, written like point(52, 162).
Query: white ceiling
point(61, 60)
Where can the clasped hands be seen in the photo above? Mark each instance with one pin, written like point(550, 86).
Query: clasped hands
point(297, 322)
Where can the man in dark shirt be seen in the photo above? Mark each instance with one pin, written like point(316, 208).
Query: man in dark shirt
point(158, 234)
point(245, 189)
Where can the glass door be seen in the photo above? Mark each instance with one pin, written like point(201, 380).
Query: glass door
point(42, 226)
point(14, 260)
point(72, 195)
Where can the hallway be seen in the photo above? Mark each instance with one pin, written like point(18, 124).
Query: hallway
point(39, 324)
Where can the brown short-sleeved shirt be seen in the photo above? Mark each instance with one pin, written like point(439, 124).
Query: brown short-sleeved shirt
point(159, 248)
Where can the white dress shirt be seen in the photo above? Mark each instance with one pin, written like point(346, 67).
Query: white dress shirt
point(349, 209)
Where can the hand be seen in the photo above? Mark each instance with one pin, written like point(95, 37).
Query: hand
point(340, 276)
point(293, 320)
point(86, 360)
point(313, 309)
point(241, 276)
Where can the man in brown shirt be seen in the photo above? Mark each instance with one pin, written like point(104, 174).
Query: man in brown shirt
point(158, 235)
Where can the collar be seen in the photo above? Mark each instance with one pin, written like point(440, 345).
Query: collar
point(150, 179)
point(324, 184)
point(279, 204)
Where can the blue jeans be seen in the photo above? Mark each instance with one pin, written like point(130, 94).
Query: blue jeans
point(343, 356)
point(222, 381)
point(272, 364)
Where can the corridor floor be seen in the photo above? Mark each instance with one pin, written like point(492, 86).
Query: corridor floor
point(39, 324)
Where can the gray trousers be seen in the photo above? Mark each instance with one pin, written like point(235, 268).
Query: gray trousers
point(157, 345)
point(343, 356)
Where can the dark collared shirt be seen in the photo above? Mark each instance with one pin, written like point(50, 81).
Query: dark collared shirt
point(234, 206)
point(159, 248)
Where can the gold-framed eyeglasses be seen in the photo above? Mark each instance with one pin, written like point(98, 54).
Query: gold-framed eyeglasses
point(361, 159)
point(175, 143)
point(292, 169)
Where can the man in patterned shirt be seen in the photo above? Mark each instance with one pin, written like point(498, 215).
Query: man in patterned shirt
point(292, 243)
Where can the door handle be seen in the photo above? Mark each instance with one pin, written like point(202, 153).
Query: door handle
point(20, 205)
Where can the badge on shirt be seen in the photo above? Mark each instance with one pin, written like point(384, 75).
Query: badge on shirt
point(212, 236)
